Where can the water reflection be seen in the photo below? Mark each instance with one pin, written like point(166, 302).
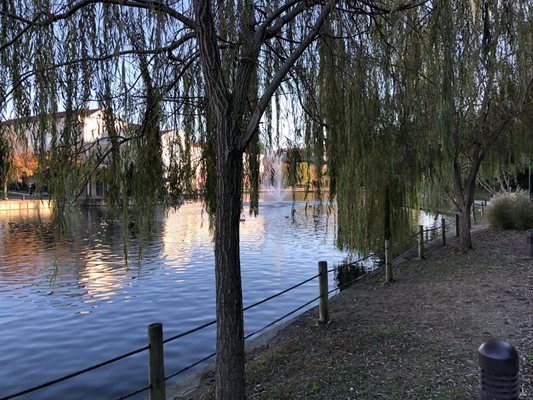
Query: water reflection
point(74, 302)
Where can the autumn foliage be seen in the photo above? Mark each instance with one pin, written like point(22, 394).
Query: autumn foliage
point(24, 165)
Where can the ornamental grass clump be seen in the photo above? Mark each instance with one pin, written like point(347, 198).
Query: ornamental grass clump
point(511, 211)
point(522, 211)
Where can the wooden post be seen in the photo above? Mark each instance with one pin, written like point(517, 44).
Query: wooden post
point(388, 262)
point(456, 224)
point(483, 209)
point(474, 213)
point(443, 222)
point(156, 363)
point(323, 286)
point(421, 242)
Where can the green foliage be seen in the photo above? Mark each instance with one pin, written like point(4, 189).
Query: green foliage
point(372, 146)
point(511, 211)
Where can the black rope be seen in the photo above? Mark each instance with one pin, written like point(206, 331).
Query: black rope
point(349, 283)
point(281, 318)
point(198, 328)
point(74, 374)
point(405, 252)
point(280, 293)
point(352, 263)
point(181, 371)
point(131, 394)
point(193, 330)
point(410, 237)
point(184, 369)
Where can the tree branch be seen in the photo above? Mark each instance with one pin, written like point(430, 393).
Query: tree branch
point(38, 21)
point(280, 76)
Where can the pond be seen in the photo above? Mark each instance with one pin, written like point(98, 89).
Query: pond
point(68, 305)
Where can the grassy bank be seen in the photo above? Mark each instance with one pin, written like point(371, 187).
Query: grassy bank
point(414, 339)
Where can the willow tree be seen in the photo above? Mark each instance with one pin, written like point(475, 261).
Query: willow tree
point(369, 87)
point(207, 69)
point(480, 66)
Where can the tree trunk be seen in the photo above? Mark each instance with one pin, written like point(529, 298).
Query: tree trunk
point(465, 238)
point(464, 198)
point(387, 233)
point(4, 189)
point(229, 376)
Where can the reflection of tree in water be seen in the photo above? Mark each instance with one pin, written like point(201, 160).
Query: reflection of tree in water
point(320, 213)
point(89, 252)
point(347, 274)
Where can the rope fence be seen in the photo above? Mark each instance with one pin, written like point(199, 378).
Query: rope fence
point(324, 313)
point(77, 373)
point(134, 393)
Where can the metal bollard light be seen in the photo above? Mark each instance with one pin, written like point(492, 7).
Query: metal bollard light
point(498, 363)
point(530, 242)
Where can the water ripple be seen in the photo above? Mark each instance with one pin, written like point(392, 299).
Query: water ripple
point(70, 304)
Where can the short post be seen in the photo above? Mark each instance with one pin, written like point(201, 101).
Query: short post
point(499, 371)
point(156, 363)
point(323, 286)
point(443, 228)
point(456, 224)
point(388, 261)
point(421, 242)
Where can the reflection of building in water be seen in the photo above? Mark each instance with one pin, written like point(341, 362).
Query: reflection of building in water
point(21, 233)
point(100, 280)
point(85, 264)
point(185, 231)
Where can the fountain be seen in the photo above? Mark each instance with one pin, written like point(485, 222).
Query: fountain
point(272, 188)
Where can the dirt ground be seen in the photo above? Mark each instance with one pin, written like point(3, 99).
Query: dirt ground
point(416, 338)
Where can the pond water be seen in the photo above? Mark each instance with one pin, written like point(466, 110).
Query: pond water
point(68, 305)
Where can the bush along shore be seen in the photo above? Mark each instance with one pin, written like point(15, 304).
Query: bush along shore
point(416, 338)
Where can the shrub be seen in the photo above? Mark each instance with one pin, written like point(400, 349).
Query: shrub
point(522, 212)
point(510, 211)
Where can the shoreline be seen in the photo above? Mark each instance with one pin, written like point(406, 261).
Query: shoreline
point(415, 338)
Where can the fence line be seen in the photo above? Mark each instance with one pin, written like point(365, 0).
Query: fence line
point(135, 392)
point(212, 322)
point(280, 293)
point(74, 374)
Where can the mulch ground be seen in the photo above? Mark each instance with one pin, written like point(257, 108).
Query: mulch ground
point(416, 338)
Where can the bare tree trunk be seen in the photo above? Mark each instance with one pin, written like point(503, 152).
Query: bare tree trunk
point(464, 199)
point(387, 233)
point(4, 189)
point(465, 238)
point(229, 377)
